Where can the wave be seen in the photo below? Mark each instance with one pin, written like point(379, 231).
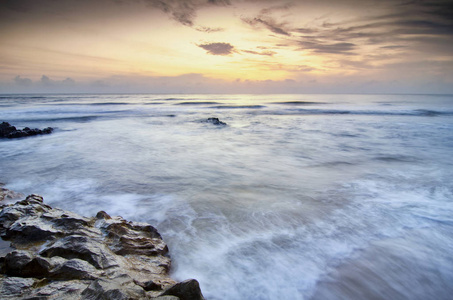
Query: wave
point(396, 158)
point(299, 103)
point(81, 119)
point(175, 99)
point(111, 103)
point(417, 112)
point(238, 106)
point(196, 103)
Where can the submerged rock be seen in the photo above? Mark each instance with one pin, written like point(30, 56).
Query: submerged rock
point(56, 254)
point(215, 121)
point(10, 132)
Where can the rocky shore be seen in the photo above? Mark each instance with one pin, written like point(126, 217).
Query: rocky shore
point(11, 132)
point(49, 253)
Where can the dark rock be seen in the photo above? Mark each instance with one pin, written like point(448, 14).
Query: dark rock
point(10, 132)
point(16, 260)
point(24, 264)
point(58, 289)
point(34, 197)
point(186, 290)
point(61, 255)
point(85, 248)
point(215, 121)
point(103, 215)
point(150, 285)
point(112, 289)
point(75, 269)
point(14, 287)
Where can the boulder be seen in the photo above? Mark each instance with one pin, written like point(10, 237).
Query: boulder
point(10, 132)
point(215, 121)
point(186, 290)
point(56, 254)
point(14, 287)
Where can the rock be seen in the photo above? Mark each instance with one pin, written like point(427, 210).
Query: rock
point(58, 289)
point(215, 121)
point(166, 298)
point(75, 269)
point(83, 247)
point(56, 254)
point(103, 215)
point(14, 287)
point(10, 132)
point(6, 194)
point(113, 289)
point(25, 264)
point(186, 290)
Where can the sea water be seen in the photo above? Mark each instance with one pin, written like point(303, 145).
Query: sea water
point(297, 197)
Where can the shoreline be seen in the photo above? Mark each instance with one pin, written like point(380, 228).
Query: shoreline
point(49, 253)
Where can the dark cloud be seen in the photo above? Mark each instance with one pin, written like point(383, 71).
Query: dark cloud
point(218, 48)
point(184, 11)
point(332, 48)
point(269, 23)
point(439, 9)
point(219, 2)
point(271, 9)
point(411, 26)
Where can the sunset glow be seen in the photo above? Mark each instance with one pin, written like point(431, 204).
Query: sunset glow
point(226, 46)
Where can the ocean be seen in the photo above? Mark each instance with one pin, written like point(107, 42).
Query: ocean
point(296, 197)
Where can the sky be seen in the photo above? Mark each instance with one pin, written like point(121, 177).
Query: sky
point(226, 46)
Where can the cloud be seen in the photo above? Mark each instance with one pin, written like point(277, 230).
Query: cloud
point(22, 81)
point(43, 85)
point(265, 52)
point(218, 48)
point(333, 48)
point(46, 80)
point(184, 11)
point(209, 29)
point(268, 23)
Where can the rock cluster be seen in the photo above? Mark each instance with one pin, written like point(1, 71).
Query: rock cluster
point(10, 132)
point(215, 121)
point(56, 254)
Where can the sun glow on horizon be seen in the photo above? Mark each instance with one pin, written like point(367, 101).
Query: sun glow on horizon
point(237, 41)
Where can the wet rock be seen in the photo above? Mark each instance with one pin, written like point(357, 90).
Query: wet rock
point(113, 289)
point(6, 194)
point(215, 121)
point(10, 132)
point(186, 290)
point(25, 264)
point(103, 215)
point(166, 298)
point(75, 269)
point(56, 254)
point(14, 287)
point(78, 246)
point(58, 289)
